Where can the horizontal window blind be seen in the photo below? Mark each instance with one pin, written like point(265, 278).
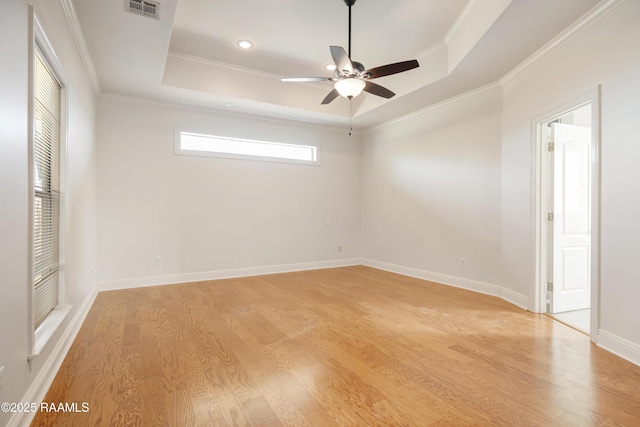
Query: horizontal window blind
point(46, 204)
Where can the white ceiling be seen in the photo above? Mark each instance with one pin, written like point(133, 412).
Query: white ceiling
point(189, 54)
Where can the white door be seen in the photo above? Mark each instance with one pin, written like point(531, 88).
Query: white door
point(571, 218)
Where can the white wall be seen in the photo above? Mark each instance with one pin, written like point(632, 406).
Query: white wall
point(458, 179)
point(431, 192)
point(204, 216)
point(20, 380)
point(606, 54)
point(14, 242)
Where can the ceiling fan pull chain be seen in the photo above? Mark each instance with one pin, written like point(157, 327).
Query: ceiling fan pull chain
point(350, 115)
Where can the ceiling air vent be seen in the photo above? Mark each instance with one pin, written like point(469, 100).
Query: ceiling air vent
point(144, 8)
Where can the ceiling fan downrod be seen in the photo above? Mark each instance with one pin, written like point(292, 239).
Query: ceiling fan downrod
point(349, 3)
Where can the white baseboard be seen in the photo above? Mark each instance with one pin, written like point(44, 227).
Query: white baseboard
point(140, 282)
point(51, 365)
point(515, 298)
point(459, 282)
point(520, 300)
point(624, 348)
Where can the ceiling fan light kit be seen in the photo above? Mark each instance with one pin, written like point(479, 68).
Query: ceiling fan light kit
point(351, 77)
point(349, 87)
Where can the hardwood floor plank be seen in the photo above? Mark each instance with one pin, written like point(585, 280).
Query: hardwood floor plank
point(153, 402)
point(180, 409)
point(128, 391)
point(349, 346)
point(261, 413)
point(395, 393)
point(264, 330)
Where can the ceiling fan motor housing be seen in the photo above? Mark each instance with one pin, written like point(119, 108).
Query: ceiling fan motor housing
point(357, 71)
point(349, 2)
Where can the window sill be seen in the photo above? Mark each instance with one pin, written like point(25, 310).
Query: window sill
point(46, 330)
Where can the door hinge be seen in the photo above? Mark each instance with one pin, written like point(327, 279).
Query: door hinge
point(550, 216)
point(549, 286)
point(550, 146)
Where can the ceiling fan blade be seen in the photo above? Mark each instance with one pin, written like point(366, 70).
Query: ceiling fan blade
point(330, 97)
point(376, 89)
point(387, 70)
point(342, 60)
point(305, 79)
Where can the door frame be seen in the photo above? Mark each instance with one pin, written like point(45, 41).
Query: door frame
point(538, 290)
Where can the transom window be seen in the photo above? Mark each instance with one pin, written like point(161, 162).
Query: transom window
point(190, 143)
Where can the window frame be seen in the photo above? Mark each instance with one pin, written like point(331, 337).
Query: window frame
point(178, 132)
point(41, 335)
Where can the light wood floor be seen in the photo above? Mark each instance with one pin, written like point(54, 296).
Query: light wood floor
point(350, 346)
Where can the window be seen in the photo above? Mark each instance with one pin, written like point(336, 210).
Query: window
point(237, 148)
point(47, 149)
point(47, 113)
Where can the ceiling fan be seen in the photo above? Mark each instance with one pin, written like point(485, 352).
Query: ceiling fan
point(351, 78)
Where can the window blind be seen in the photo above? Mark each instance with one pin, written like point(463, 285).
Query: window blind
point(46, 204)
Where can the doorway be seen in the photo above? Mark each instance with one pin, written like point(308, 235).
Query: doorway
point(567, 169)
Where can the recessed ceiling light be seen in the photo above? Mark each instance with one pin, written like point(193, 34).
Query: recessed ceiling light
point(244, 44)
point(330, 67)
point(228, 104)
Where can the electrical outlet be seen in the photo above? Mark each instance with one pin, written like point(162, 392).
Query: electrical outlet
point(337, 248)
point(463, 262)
point(158, 260)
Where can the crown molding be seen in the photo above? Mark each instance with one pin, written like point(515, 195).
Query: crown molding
point(81, 44)
point(181, 106)
point(461, 20)
point(437, 106)
point(213, 64)
point(433, 50)
point(591, 17)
